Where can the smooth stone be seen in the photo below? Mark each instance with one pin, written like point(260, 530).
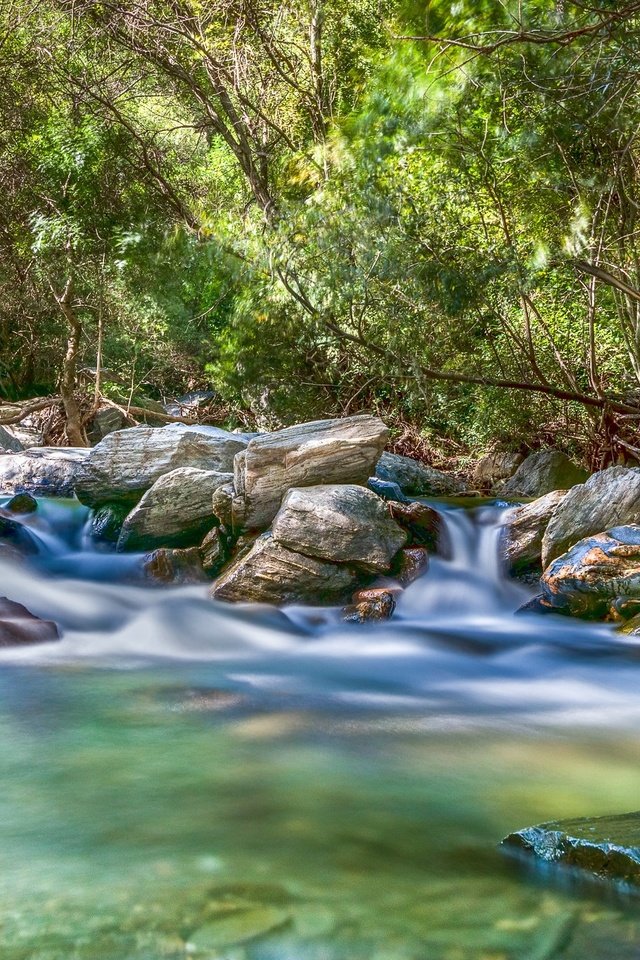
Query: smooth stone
point(543, 472)
point(609, 498)
point(8, 442)
point(377, 603)
point(322, 452)
point(606, 847)
point(410, 564)
point(416, 479)
point(271, 573)
point(523, 531)
point(18, 626)
point(495, 467)
point(422, 522)
point(15, 534)
point(128, 462)
point(342, 523)
point(213, 552)
point(174, 566)
point(42, 471)
point(22, 503)
point(174, 512)
point(106, 521)
point(237, 927)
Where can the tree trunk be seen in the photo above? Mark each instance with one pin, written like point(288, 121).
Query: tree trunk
point(68, 382)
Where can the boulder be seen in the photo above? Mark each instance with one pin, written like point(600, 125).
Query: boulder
point(105, 421)
point(375, 604)
point(605, 847)
point(18, 626)
point(523, 530)
point(42, 471)
point(410, 564)
point(422, 522)
point(416, 479)
point(271, 573)
point(541, 473)
point(126, 463)
point(222, 504)
point(608, 499)
point(495, 467)
point(106, 521)
point(213, 552)
point(22, 503)
point(174, 512)
point(588, 579)
point(174, 566)
point(343, 523)
point(321, 452)
point(15, 535)
point(8, 442)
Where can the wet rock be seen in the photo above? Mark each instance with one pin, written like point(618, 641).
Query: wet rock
point(106, 522)
point(19, 627)
point(422, 522)
point(22, 503)
point(213, 552)
point(586, 580)
point(541, 473)
point(42, 471)
point(414, 478)
point(8, 442)
point(608, 498)
point(237, 926)
point(104, 422)
point(15, 535)
point(343, 523)
point(174, 566)
point(606, 847)
point(321, 452)
point(128, 462)
point(175, 512)
point(524, 528)
point(271, 573)
point(410, 564)
point(495, 467)
point(222, 504)
point(377, 603)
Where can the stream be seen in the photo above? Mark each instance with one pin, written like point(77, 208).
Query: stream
point(186, 778)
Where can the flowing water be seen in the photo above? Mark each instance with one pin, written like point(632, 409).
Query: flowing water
point(183, 778)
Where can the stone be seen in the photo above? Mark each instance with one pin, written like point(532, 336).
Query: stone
point(105, 421)
point(213, 552)
point(605, 847)
point(42, 471)
point(18, 626)
point(22, 503)
point(174, 566)
point(609, 498)
point(233, 927)
point(8, 442)
point(343, 523)
point(387, 490)
point(222, 504)
point(106, 521)
point(523, 530)
point(175, 512)
point(322, 452)
point(495, 467)
point(421, 521)
point(377, 603)
point(15, 535)
point(594, 573)
point(411, 563)
point(541, 473)
point(271, 573)
point(416, 479)
point(126, 463)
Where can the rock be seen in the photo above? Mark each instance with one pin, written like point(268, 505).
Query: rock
point(16, 535)
point(126, 463)
point(105, 421)
point(189, 402)
point(374, 604)
point(42, 471)
point(18, 626)
point(213, 552)
point(343, 523)
point(423, 522)
point(608, 499)
point(410, 564)
point(321, 452)
point(416, 479)
point(232, 927)
point(606, 847)
point(175, 512)
point(22, 503)
point(496, 466)
point(8, 442)
point(271, 573)
point(523, 530)
point(222, 504)
point(587, 579)
point(174, 566)
point(541, 473)
point(106, 521)
point(387, 490)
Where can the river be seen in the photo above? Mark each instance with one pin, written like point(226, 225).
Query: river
point(182, 778)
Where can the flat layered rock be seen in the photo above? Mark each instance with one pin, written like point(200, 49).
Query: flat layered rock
point(342, 523)
point(127, 462)
point(523, 531)
point(322, 452)
point(18, 626)
point(543, 472)
point(608, 499)
point(416, 479)
point(42, 471)
point(606, 847)
point(271, 573)
point(175, 512)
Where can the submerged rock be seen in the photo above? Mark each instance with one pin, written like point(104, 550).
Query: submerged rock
point(175, 566)
point(231, 927)
point(18, 626)
point(606, 847)
point(322, 452)
point(416, 479)
point(175, 512)
point(541, 473)
point(128, 462)
point(376, 603)
point(524, 528)
point(15, 535)
point(609, 498)
point(271, 573)
point(343, 523)
point(42, 471)
point(589, 578)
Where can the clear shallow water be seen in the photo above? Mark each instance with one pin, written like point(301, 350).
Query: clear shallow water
point(176, 772)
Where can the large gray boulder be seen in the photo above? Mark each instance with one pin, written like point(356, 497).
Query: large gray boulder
point(416, 479)
point(321, 452)
point(175, 512)
point(343, 523)
point(8, 442)
point(42, 471)
point(496, 466)
point(542, 473)
point(128, 462)
point(271, 573)
point(608, 498)
point(523, 530)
